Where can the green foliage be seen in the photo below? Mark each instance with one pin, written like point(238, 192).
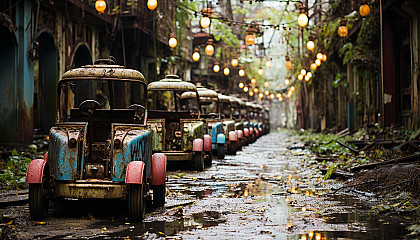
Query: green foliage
point(221, 32)
point(340, 79)
point(325, 144)
point(13, 176)
point(363, 53)
point(330, 171)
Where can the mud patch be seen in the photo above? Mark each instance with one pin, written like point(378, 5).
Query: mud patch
point(386, 179)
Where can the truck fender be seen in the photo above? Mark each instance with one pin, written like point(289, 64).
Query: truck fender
point(207, 142)
point(251, 130)
point(158, 169)
point(232, 136)
point(35, 171)
point(221, 138)
point(260, 129)
point(134, 173)
point(198, 145)
point(246, 132)
point(240, 134)
point(46, 156)
point(257, 133)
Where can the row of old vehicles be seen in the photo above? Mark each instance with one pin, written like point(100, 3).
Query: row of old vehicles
point(115, 135)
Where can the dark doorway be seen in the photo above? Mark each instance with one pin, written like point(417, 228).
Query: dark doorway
point(82, 57)
point(45, 84)
point(8, 86)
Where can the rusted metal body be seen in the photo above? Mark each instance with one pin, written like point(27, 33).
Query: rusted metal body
point(211, 116)
point(178, 131)
point(236, 105)
point(245, 120)
point(101, 132)
point(233, 135)
point(250, 122)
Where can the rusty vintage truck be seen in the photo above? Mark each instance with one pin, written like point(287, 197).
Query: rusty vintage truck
point(178, 131)
point(101, 146)
point(210, 115)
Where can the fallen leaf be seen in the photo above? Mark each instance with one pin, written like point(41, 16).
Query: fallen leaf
point(91, 216)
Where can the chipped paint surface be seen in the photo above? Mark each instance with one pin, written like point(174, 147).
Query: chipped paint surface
point(216, 128)
point(136, 146)
point(158, 131)
point(171, 83)
point(66, 161)
point(192, 129)
point(104, 72)
point(228, 126)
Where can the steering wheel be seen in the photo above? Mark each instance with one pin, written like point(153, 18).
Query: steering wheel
point(137, 106)
point(213, 115)
point(87, 107)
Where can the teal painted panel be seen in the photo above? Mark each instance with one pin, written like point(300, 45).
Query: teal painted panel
point(136, 147)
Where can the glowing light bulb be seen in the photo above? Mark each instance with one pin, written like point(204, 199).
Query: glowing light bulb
point(313, 66)
point(260, 71)
point(319, 56)
point(286, 81)
point(172, 42)
point(245, 89)
point(152, 4)
point(249, 39)
point(241, 85)
point(253, 81)
point(303, 72)
point(268, 64)
point(241, 72)
point(303, 20)
point(226, 71)
point(300, 77)
point(364, 10)
point(205, 22)
point(310, 45)
point(209, 49)
point(196, 56)
point(100, 6)
point(234, 62)
point(288, 64)
point(318, 62)
point(342, 31)
point(216, 68)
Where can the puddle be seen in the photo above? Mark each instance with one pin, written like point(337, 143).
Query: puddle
point(164, 228)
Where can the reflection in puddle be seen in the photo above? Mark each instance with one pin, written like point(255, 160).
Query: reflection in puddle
point(164, 228)
point(258, 187)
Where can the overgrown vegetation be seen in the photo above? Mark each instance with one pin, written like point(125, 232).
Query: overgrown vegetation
point(13, 167)
point(395, 184)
